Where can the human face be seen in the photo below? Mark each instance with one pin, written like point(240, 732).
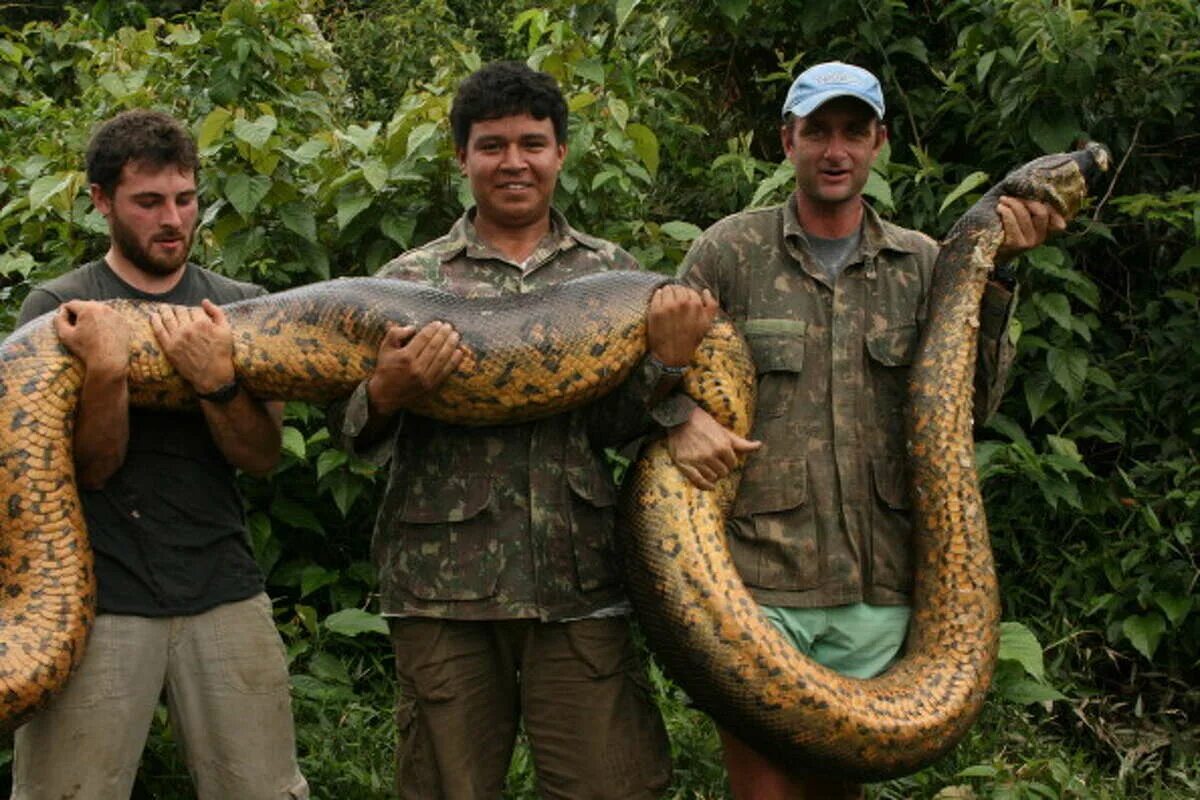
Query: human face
point(513, 164)
point(151, 215)
point(832, 150)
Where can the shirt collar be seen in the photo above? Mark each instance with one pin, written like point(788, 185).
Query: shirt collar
point(877, 235)
point(463, 239)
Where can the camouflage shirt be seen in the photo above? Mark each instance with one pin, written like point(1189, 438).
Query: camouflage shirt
point(510, 521)
point(822, 517)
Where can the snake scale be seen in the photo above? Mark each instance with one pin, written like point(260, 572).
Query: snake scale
point(534, 355)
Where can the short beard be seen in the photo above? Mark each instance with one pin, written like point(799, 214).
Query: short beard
point(127, 243)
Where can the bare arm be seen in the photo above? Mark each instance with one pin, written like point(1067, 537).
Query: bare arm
point(98, 336)
point(199, 344)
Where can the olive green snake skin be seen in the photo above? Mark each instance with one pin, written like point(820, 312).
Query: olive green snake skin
point(534, 355)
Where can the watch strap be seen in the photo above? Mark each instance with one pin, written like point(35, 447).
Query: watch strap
point(222, 394)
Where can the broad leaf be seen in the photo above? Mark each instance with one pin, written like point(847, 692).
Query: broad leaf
point(972, 181)
point(355, 621)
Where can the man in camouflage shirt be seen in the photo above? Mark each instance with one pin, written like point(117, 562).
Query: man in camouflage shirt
point(494, 544)
point(831, 299)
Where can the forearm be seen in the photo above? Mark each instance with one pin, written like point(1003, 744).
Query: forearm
point(247, 431)
point(645, 400)
point(101, 429)
point(355, 429)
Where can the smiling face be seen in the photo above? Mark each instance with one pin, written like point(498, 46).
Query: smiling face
point(512, 164)
point(832, 150)
point(152, 215)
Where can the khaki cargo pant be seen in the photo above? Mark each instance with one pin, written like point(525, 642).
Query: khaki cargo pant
point(593, 728)
point(227, 692)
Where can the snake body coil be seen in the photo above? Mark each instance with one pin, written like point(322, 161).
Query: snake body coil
point(534, 355)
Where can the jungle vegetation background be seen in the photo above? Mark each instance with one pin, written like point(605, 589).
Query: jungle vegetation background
point(326, 150)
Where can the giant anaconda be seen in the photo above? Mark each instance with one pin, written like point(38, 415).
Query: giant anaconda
point(539, 354)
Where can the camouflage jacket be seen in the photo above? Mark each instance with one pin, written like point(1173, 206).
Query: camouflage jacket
point(822, 517)
point(511, 521)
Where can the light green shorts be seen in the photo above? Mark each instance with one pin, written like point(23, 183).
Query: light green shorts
point(856, 640)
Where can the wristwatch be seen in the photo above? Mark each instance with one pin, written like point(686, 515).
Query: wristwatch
point(663, 369)
point(222, 394)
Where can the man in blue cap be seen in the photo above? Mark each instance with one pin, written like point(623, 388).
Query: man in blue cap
point(832, 299)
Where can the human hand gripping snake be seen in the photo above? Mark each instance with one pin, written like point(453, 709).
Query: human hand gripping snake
point(530, 356)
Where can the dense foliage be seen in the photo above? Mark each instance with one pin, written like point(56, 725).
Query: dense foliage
point(326, 151)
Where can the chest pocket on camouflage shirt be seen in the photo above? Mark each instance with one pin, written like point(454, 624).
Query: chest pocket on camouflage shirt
point(777, 346)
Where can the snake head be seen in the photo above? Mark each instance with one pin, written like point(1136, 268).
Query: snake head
point(1061, 180)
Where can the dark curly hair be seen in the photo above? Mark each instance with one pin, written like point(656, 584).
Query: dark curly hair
point(138, 135)
point(503, 89)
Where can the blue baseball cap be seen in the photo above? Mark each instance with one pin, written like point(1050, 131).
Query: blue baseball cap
point(819, 84)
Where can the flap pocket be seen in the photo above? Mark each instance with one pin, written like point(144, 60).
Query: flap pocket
point(894, 347)
point(590, 484)
point(777, 345)
point(446, 500)
point(772, 485)
point(890, 477)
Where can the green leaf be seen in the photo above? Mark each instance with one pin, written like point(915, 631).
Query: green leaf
point(398, 229)
point(734, 10)
point(329, 460)
point(255, 133)
point(1056, 306)
point(619, 110)
point(329, 667)
point(624, 9)
point(375, 172)
point(355, 621)
point(1175, 606)
point(1038, 397)
point(1189, 261)
point(782, 176)
point(111, 82)
point(45, 190)
point(314, 577)
point(1027, 692)
point(984, 65)
point(245, 192)
point(580, 101)
point(1017, 643)
point(361, 138)
point(213, 128)
point(878, 189)
point(972, 181)
point(308, 152)
point(296, 515)
point(293, 442)
point(1068, 367)
point(298, 218)
point(419, 135)
point(311, 688)
point(645, 144)
point(1144, 632)
point(590, 68)
point(680, 231)
point(1053, 132)
point(351, 201)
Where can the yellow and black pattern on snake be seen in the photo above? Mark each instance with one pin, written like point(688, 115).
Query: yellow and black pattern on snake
point(706, 628)
point(527, 356)
point(540, 354)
